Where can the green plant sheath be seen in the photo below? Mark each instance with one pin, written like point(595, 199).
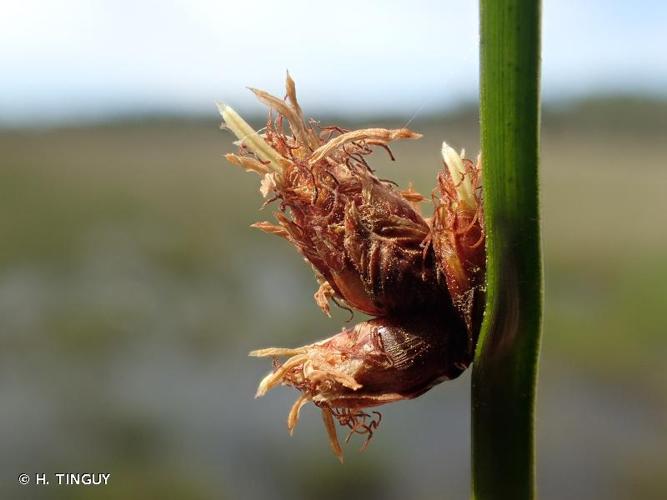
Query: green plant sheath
point(505, 368)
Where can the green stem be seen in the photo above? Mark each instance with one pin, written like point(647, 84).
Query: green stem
point(505, 368)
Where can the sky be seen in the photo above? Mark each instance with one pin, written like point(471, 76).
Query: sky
point(91, 59)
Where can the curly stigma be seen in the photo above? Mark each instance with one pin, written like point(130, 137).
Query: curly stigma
point(371, 251)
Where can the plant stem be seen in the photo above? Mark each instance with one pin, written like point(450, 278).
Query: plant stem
point(505, 368)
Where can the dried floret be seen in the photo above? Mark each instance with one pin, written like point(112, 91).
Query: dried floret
point(375, 362)
point(363, 236)
point(372, 251)
point(458, 234)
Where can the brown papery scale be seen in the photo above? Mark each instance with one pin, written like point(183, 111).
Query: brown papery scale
point(371, 251)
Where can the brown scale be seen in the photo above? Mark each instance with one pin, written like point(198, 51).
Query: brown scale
point(372, 251)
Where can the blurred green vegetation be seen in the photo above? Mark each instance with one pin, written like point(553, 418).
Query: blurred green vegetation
point(131, 289)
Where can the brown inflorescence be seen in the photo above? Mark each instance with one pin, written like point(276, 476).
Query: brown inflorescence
point(458, 236)
point(371, 251)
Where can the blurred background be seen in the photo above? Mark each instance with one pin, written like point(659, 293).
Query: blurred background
point(132, 289)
